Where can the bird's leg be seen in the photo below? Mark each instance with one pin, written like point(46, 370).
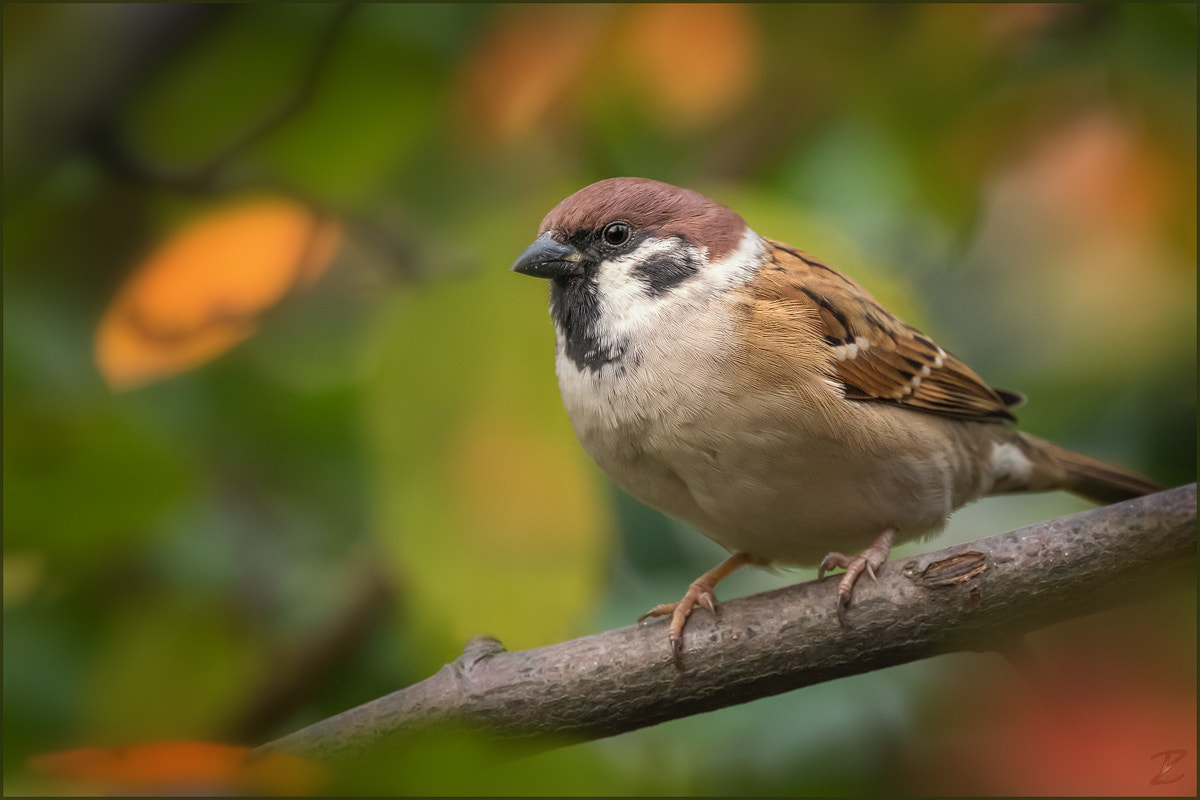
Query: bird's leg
point(870, 559)
point(700, 593)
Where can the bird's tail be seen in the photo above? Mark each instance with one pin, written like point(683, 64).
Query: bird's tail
point(1089, 477)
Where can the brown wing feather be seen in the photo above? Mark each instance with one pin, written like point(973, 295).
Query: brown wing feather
point(876, 355)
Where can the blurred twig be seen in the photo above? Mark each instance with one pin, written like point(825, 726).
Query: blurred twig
point(299, 673)
point(967, 597)
point(106, 143)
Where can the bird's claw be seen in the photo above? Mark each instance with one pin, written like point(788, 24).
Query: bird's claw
point(832, 561)
point(870, 560)
point(843, 600)
point(698, 594)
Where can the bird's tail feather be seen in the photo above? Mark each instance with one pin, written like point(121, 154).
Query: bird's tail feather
point(1091, 478)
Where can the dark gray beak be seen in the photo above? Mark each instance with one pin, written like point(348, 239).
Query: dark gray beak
point(547, 258)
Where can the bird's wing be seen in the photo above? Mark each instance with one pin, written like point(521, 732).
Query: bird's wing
point(877, 356)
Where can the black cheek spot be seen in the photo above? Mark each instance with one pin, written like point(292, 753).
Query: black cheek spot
point(664, 271)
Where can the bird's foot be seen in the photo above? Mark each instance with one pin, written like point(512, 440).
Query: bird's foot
point(699, 593)
point(870, 560)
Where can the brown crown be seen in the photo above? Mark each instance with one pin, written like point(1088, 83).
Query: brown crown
point(660, 208)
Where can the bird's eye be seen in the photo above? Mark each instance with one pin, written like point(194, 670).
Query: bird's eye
point(616, 233)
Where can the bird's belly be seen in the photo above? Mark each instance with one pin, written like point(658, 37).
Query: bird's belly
point(766, 473)
point(781, 497)
point(794, 509)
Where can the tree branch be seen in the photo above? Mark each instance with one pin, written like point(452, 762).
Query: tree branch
point(107, 144)
point(967, 597)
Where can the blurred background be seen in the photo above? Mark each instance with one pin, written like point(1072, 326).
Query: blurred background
point(281, 431)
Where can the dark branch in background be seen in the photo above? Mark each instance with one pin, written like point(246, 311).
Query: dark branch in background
point(102, 138)
point(57, 114)
point(296, 675)
point(974, 596)
point(105, 142)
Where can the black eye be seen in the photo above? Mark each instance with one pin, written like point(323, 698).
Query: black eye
point(616, 233)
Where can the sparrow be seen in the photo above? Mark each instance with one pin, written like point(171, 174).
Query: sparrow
point(749, 388)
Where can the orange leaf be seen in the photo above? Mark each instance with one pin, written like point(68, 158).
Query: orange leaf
point(691, 63)
point(525, 64)
point(177, 767)
point(201, 291)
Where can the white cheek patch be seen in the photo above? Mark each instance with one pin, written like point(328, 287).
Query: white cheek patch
point(737, 268)
point(622, 294)
point(628, 310)
point(1008, 462)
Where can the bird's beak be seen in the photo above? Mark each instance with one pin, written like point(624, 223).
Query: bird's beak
point(548, 258)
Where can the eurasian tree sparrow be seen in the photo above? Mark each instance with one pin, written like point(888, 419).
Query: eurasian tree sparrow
point(745, 386)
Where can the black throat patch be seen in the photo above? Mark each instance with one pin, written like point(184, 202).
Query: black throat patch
point(575, 307)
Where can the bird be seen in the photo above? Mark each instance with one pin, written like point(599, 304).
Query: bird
point(753, 390)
